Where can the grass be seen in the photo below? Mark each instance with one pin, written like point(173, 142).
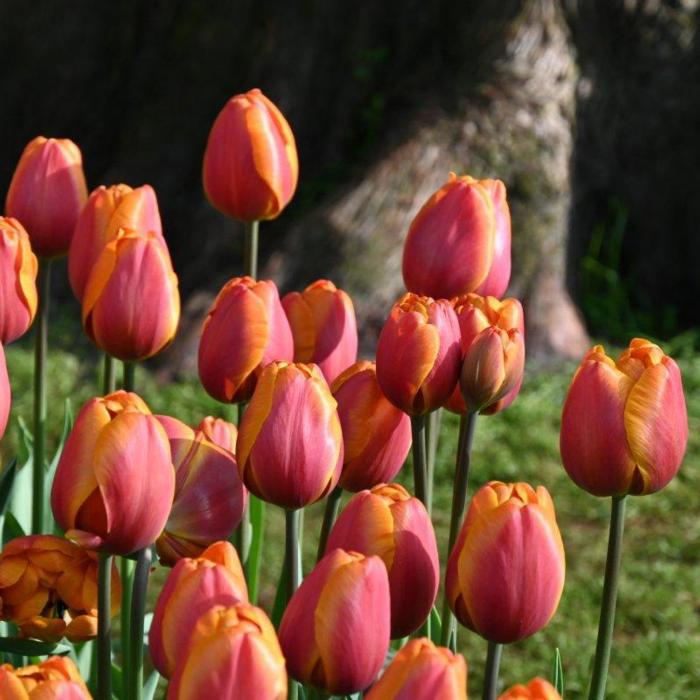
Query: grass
point(657, 637)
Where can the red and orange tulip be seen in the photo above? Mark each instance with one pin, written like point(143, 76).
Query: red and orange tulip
point(115, 481)
point(47, 193)
point(250, 164)
point(233, 652)
point(391, 524)
point(324, 632)
point(5, 393)
point(18, 269)
point(290, 443)
point(193, 587)
point(245, 330)
point(376, 434)
point(322, 319)
point(625, 426)
point(422, 671)
point(220, 432)
point(418, 354)
point(56, 678)
point(459, 241)
point(505, 575)
point(536, 689)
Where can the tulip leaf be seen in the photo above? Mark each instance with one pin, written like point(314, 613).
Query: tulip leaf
point(256, 508)
point(33, 647)
point(11, 528)
point(7, 479)
point(558, 673)
point(83, 658)
point(151, 685)
point(21, 499)
point(435, 626)
point(280, 598)
point(117, 681)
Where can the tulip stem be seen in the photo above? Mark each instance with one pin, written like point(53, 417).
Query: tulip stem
point(419, 457)
point(126, 572)
point(138, 611)
point(250, 249)
point(467, 425)
point(129, 376)
point(109, 378)
point(493, 662)
point(104, 627)
point(41, 351)
point(243, 535)
point(329, 516)
point(607, 608)
point(292, 553)
point(432, 437)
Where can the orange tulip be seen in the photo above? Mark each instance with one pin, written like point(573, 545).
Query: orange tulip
point(422, 671)
point(536, 689)
point(5, 393)
point(109, 209)
point(131, 304)
point(56, 678)
point(322, 319)
point(47, 193)
point(220, 432)
point(48, 588)
point(18, 269)
point(115, 481)
point(250, 164)
point(505, 575)
point(233, 652)
point(624, 428)
point(245, 329)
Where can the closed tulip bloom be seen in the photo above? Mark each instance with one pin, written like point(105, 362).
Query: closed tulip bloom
point(391, 524)
point(459, 241)
point(505, 575)
point(193, 587)
point(131, 304)
point(536, 689)
point(18, 269)
point(290, 443)
point(108, 210)
point(245, 330)
point(335, 630)
point(5, 393)
point(422, 671)
point(376, 434)
point(418, 355)
point(115, 481)
point(624, 428)
point(233, 652)
point(323, 324)
point(209, 496)
point(55, 678)
point(221, 432)
point(47, 193)
point(250, 164)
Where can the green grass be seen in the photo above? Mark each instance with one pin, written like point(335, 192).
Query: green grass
point(657, 637)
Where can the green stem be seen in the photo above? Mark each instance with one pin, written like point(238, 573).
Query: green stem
point(104, 627)
point(432, 436)
point(256, 507)
point(126, 572)
point(242, 536)
point(493, 661)
point(419, 457)
point(129, 376)
point(134, 678)
point(292, 563)
point(40, 354)
point(109, 378)
point(329, 516)
point(250, 249)
point(607, 608)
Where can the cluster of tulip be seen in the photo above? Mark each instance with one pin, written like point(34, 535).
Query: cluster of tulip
point(313, 421)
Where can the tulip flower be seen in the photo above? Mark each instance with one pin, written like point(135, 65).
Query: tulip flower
point(18, 270)
point(233, 652)
point(250, 163)
point(108, 210)
point(220, 432)
point(459, 241)
point(536, 689)
point(625, 426)
point(47, 193)
point(131, 303)
point(422, 671)
point(290, 443)
point(55, 678)
point(115, 481)
point(245, 330)
point(391, 524)
point(323, 324)
point(209, 496)
point(48, 588)
point(5, 393)
point(193, 587)
point(376, 434)
point(335, 630)
point(506, 572)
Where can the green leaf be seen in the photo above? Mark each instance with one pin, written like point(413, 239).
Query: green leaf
point(117, 680)
point(257, 525)
point(150, 686)
point(11, 528)
point(558, 673)
point(83, 658)
point(435, 626)
point(280, 598)
point(7, 480)
point(33, 647)
point(21, 500)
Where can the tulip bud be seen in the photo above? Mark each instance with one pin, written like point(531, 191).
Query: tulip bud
point(131, 303)
point(48, 588)
point(5, 394)
point(115, 481)
point(220, 432)
point(290, 443)
point(322, 319)
point(47, 193)
point(536, 689)
point(335, 630)
point(418, 355)
point(109, 209)
point(18, 269)
point(376, 434)
point(193, 587)
point(244, 331)
point(459, 241)
point(505, 575)
point(389, 523)
point(56, 678)
point(422, 671)
point(233, 652)
point(250, 164)
point(624, 428)
point(209, 496)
